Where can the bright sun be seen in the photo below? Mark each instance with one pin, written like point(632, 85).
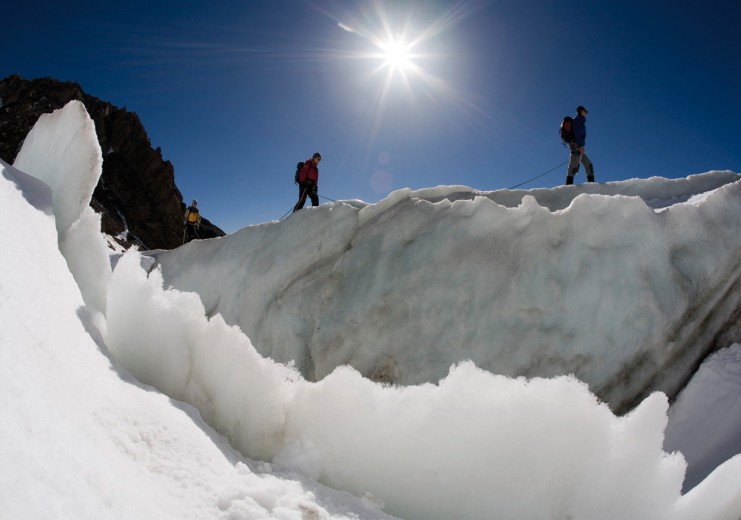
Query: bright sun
point(396, 55)
point(400, 49)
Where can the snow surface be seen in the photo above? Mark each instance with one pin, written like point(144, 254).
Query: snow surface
point(85, 436)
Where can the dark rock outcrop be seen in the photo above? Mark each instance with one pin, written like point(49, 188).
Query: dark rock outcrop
point(136, 195)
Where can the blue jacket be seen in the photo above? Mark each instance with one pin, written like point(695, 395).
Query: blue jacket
point(580, 130)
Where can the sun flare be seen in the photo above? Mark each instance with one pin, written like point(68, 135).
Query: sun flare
point(408, 62)
point(397, 55)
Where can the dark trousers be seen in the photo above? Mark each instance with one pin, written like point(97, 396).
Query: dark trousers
point(191, 232)
point(306, 190)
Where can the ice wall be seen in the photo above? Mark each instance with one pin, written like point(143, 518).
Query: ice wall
point(705, 420)
point(624, 284)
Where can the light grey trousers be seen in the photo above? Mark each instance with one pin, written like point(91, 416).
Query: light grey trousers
point(575, 159)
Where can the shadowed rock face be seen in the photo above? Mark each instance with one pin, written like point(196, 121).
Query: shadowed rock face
point(136, 195)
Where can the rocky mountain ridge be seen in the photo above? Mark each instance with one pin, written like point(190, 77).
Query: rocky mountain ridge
point(136, 195)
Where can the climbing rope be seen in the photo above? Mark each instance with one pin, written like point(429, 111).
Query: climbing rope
point(286, 213)
point(511, 188)
point(539, 176)
point(291, 210)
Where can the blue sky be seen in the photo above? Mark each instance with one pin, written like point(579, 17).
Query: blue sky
point(235, 93)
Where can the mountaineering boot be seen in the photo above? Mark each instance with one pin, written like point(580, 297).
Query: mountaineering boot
point(590, 173)
point(570, 175)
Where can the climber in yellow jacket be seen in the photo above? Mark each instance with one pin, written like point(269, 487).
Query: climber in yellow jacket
point(192, 222)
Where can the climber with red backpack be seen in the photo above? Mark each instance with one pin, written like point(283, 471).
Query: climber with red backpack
point(307, 177)
point(574, 134)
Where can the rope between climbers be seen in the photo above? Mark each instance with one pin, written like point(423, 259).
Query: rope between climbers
point(539, 176)
point(511, 188)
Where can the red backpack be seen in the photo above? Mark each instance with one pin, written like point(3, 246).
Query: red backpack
point(566, 132)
